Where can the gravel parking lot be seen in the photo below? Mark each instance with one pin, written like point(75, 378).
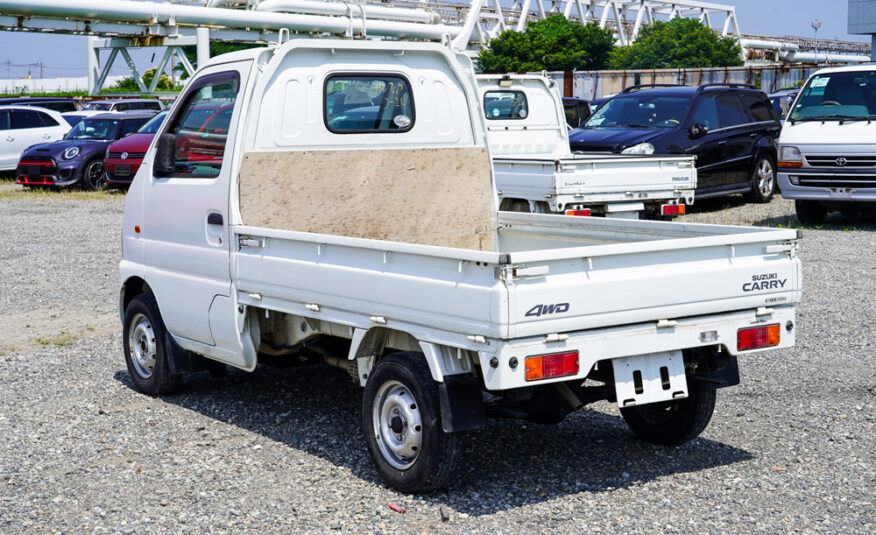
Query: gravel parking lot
point(790, 450)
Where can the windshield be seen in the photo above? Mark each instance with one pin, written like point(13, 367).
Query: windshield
point(95, 129)
point(640, 111)
point(839, 95)
point(153, 125)
point(96, 106)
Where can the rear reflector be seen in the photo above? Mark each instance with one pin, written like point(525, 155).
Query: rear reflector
point(577, 212)
point(790, 164)
point(672, 209)
point(548, 366)
point(757, 337)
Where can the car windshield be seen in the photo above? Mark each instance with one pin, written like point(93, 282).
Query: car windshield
point(153, 125)
point(96, 106)
point(640, 110)
point(837, 96)
point(95, 129)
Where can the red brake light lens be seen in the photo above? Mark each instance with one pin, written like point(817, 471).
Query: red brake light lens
point(757, 337)
point(578, 212)
point(549, 366)
point(672, 209)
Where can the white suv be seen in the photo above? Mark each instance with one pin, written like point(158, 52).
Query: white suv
point(23, 126)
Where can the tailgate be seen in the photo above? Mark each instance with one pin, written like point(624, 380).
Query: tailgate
point(618, 284)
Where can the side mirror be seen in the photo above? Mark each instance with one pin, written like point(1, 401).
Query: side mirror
point(785, 104)
point(165, 156)
point(698, 130)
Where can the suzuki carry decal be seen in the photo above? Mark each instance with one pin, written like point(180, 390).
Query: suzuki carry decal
point(541, 310)
point(766, 281)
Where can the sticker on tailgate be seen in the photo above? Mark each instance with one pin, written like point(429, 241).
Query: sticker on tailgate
point(764, 281)
point(542, 310)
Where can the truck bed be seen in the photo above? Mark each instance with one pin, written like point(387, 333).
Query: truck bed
point(588, 272)
point(593, 178)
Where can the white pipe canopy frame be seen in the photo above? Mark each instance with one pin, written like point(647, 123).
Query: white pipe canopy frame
point(165, 14)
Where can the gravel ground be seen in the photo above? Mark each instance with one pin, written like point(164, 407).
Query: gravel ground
point(790, 450)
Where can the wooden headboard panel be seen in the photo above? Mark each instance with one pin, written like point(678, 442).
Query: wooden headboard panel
point(427, 196)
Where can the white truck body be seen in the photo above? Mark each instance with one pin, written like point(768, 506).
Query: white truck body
point(536, 171)
point(603, 289)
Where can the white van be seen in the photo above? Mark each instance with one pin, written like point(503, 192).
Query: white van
point(827, 149)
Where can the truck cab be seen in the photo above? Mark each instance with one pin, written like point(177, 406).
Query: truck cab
point(827, 156)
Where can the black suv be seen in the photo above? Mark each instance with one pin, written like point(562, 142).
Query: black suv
point(730, 128)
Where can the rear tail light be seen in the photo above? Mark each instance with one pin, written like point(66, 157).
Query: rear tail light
point(757, 337)
point(578, 212)
point(672, 209)
point(549, 366)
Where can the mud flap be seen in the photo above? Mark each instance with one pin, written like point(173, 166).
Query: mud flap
point(462, 407)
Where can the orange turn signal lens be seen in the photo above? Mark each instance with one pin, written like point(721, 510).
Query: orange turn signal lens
point(757, 337)
point(790, 164)
point(584, 212)
point(549, 366)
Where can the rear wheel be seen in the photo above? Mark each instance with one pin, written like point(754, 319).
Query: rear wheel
point(145, 352)
point(810, 212)
point(763, 180)
point(673, 422)
point(402, 424)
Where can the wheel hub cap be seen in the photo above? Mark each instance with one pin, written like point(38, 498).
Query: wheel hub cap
point(398, 427)
point(141, 341)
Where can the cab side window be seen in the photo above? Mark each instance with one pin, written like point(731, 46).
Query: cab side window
point(4, 120)
point(201, 126)
point(730, 111)
point(706, 113)
point(47, 120)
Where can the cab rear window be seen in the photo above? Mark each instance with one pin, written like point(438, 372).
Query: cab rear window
point(368, 103)
point(505, 105)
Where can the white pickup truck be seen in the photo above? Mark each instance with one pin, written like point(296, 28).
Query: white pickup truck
point(536, 171)
point(344, 207)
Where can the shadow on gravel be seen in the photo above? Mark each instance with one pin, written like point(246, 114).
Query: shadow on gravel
point(715, 204)
point(834, 221)
point(508, 464)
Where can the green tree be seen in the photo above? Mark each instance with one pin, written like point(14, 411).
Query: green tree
point(216, 48)
point(129, 85)
point(679, 43)
point(552, 44)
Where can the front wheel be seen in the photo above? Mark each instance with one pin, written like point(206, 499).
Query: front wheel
point(810, 212)
point(401, 421)
point(93, 176)
point(673, 422)
point(763, 180)
point(145, 351)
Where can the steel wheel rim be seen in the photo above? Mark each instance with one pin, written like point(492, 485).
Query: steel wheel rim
point(94, 175)
point(765, 177)
point(397, 425)
point(141, 344)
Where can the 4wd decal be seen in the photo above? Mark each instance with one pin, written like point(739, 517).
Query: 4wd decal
point(541, 310)
point(766, 281)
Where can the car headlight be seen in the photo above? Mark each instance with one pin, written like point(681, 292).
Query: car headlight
point(790, 154)
point(641, 148)
point(71, 152)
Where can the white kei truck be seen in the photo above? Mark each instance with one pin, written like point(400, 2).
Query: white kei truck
point(334, 199)
point(536, 171)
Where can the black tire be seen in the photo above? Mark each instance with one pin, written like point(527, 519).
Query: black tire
point(810, 212)
point(763, 180)
point(143, 337)
point(93, 178)
point(673, 422)
point(404, 396)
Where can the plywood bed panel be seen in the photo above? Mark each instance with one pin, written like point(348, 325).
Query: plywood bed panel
point(428, 196)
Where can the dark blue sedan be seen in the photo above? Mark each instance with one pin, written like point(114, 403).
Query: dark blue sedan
point(78, 158)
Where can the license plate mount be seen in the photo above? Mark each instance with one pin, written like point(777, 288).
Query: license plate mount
point(650, 378)
point(123, 170)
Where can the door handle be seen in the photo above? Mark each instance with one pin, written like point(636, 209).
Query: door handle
point(47, 136)
point(10, 138)
point(722, 142)
point(214, 219)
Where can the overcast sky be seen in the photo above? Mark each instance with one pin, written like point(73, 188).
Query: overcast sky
point(65, 55)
